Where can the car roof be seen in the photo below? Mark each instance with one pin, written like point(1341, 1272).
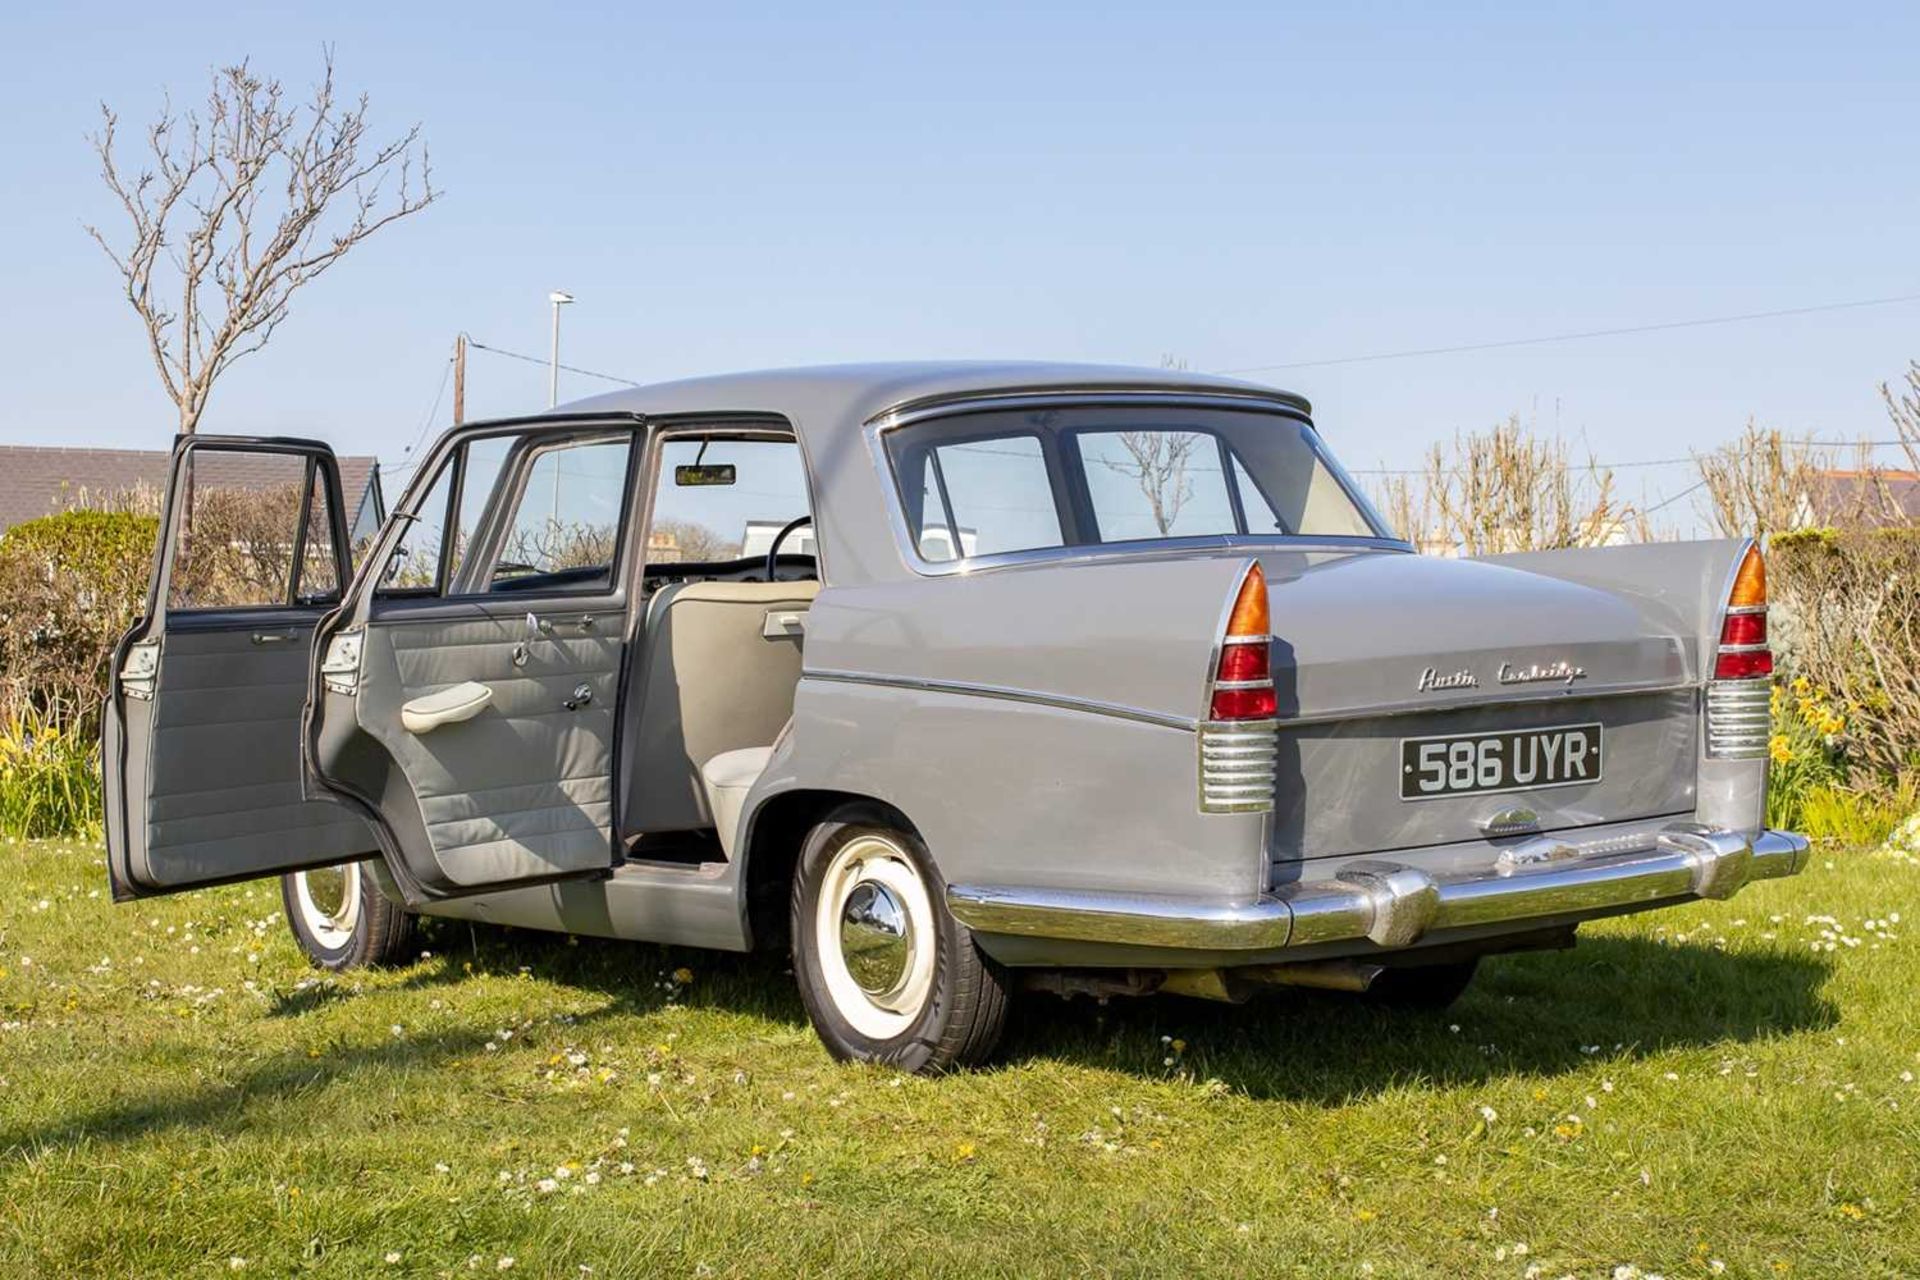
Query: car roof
point(829, 405)
point(826, 398)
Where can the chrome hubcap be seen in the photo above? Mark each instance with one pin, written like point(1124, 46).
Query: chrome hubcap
point(327, 890)
point(876, 938)
point(328, 900)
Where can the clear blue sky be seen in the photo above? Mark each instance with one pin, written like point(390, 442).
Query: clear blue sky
point(729, 187)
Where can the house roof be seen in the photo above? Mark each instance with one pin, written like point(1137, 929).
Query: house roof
point(39, 481)
point(1844, 496)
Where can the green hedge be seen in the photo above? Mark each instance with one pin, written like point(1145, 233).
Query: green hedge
point(70, 585)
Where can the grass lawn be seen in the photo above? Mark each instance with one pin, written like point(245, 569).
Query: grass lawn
point(1726, 1088)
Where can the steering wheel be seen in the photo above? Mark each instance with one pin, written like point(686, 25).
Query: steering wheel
point(773, 551)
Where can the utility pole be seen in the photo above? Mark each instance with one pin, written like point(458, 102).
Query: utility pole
point(459, 379)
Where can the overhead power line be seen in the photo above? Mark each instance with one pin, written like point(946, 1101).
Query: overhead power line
point(1810, 441)
point(1579, 336)
point(542, 360)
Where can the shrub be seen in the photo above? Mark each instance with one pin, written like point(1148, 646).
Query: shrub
point(1857, 819)
point(49, 780)
point(70, 585)
point(1807, 750)
point(1848, 606)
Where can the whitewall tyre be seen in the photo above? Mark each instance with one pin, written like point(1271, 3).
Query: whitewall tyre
point(342, 920)
point(886, 973)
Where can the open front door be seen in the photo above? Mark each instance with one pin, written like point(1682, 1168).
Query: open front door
point(468, 693)
point(201, 739)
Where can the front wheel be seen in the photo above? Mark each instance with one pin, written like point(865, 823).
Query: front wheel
point(342, 920)
point(886, 973)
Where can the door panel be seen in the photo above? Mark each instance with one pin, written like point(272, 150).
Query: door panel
point(220, 773)
point(202, 737)
point(503, 568)
point(525, 788)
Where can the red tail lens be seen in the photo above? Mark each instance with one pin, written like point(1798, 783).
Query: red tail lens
point(1749, 664)
point(1744, 629)
point(1244, 704)
point(1244, 661)
point(1743, 633)
point(1243, 678)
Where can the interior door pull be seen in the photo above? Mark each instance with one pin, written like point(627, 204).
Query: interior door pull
point(272, 637)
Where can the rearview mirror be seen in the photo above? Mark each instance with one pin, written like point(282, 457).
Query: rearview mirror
point(695, 475)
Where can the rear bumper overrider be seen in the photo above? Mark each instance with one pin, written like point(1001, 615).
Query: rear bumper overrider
point(1392, 905)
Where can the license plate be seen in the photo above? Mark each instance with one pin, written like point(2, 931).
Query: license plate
point(1504, 760)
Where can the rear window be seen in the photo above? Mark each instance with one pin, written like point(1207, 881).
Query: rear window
point(983, 484)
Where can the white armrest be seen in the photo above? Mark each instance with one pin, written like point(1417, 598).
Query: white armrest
point(463, 701)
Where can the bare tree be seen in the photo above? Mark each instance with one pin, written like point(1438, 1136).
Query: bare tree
point(689, 540)
point(1763, 483)
point(1157, 462)
point(1903, 410)
point(1504, 490)
point(236, 209)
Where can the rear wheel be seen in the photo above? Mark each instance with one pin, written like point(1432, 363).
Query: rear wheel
point(886, 972)
point(1430, 986)
point(342, 920)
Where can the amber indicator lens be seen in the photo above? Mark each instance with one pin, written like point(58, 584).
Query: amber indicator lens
point(1750, 584)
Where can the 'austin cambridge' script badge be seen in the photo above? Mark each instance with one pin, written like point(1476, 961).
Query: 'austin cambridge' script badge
point(1556, 672)
point(1433, 680)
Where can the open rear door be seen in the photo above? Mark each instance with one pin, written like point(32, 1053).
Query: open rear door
point(201, 738)
point(467, 694)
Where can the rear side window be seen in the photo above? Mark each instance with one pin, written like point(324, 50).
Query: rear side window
point(979, 497)
point(246, 517)
point(564, 526)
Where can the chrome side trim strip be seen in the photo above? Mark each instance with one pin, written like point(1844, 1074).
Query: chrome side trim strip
point(1004, 693)
point(1390, 905)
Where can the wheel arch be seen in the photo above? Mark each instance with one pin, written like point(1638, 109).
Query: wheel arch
point(774, 832)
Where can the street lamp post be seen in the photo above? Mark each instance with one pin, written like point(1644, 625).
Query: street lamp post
point(559, 300)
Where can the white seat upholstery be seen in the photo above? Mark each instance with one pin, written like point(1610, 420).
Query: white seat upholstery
point(715, 671)
point(728, 777)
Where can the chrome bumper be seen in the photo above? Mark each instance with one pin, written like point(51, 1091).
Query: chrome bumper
point(1392, 905)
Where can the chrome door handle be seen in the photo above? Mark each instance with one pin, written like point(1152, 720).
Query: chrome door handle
point(272, 637)
point(582, 695)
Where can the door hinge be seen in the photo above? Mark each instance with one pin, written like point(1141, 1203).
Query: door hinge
point(141, 670)
point(340, 669)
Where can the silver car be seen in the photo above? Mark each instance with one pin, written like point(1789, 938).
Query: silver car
point(954, 679)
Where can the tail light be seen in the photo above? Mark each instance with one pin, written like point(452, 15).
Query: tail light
point(1239, 741)
point(1739, 712)
point(1744, 654)
point(1243, 676)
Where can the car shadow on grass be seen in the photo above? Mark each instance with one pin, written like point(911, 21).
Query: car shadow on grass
point(1532, 1014)
point(1529, 1014)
